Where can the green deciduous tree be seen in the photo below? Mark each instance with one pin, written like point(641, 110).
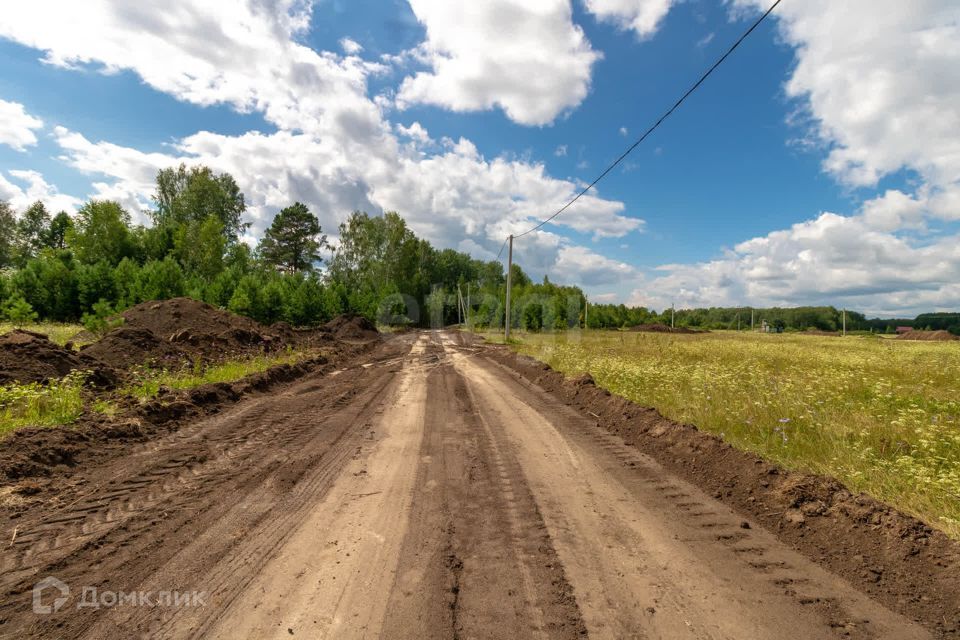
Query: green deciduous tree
point(60, 227)
point(33, 231)
point(8, 234)
point(101, 232)
point(192, 195)
point(200, 246)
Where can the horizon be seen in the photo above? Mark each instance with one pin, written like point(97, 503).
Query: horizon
point(825, 165)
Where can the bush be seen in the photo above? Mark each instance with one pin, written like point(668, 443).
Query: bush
point(19, 311)
point(102, 318)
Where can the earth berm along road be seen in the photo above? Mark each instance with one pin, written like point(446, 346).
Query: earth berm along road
point(421, 492)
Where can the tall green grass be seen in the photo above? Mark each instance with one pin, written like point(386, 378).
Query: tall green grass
point(883, 416)
point(148, 382)
point(58, 403)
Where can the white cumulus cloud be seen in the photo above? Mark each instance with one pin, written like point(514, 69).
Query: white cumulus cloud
point(643, 17)
point(31, 188)
point(17, 126)
point(527, 58)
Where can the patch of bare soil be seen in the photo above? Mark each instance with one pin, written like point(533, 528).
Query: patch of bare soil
point(895, 558)
point(351, 327)
point(936, 336)
point(662, 328)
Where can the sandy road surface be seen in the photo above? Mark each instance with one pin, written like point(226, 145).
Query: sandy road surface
point(424, 492)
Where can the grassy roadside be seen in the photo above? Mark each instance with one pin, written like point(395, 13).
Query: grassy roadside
point(61, 402)
point(882, 416)
point(148, 382)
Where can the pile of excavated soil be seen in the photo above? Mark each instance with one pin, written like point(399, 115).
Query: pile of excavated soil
point(351, 327)
point(168, 334)
point(165, 318)
point(662, 328)
point(936, 336)
point(27, 357)
point(890, 555)
point(171, 332)
point(178, 330)
point(125, 347)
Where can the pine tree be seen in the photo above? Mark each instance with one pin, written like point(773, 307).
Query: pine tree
point(293, 241)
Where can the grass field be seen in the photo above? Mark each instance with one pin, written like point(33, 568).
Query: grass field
point(883, 416)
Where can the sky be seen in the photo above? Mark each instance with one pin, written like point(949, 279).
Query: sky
point(819, 165)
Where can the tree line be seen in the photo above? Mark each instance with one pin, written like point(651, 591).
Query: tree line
point(784, 319)
point(97, 262)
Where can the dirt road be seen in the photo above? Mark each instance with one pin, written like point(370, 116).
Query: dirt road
point(423, 492)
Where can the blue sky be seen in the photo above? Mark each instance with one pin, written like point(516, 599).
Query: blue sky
point(796, 175)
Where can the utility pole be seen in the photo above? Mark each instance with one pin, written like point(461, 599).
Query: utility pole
point(459, 307)
point(468, 305)
point(738, 322)
point(751, 319)
point(586, 312)
point(844, 322)
point(672, 312)
point(506, 334)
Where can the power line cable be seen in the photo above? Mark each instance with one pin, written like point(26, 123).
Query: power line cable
point(500, 253)
point(657, 123)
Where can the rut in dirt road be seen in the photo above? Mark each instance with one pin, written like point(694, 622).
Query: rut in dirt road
point(422, 492)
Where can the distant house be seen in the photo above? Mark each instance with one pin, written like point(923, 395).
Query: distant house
point(904, 329)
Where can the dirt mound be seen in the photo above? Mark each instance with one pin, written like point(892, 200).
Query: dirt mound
point(125, 347)
point(352, 327)
point(184, 329)
point(936, 336)
point(170, 334)
point(662, 328)
point(179, 317)
point(27, 357)
point(31, 357)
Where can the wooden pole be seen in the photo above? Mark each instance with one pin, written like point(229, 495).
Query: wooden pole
point(506, 334)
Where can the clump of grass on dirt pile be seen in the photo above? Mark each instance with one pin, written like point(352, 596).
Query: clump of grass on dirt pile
point(58, 332)
point(41, 405)
point(882, 416)
point(148, 382)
